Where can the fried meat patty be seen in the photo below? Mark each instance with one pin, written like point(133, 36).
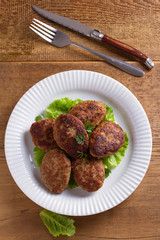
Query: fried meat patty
point(55, 170)
point(88, 174)
point(92, 111)
point(70, 134)
point(106, 139)
point(42, 134)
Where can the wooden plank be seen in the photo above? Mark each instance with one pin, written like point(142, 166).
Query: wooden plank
point(138, 217)
point(134, 22)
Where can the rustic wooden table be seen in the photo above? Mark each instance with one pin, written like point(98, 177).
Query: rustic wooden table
point(26, 59)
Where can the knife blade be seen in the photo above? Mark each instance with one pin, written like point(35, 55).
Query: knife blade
point(96, 34)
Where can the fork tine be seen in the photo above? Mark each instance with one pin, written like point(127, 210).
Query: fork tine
point(45, 29)
point(41, 35)
point(45, 25)
point(46, 34)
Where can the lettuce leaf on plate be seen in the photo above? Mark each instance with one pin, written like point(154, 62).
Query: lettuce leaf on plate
point(38, 155)
point(39, 117)
point(60, 106)
point(72, 184)
point(107, 171)
point(57, 224)
point(109, 115)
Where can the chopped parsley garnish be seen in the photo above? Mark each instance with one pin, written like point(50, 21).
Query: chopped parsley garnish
point(82, 155)
point(80, 138)
point(89, 127)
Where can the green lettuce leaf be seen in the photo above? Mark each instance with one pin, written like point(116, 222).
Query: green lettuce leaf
point(39, 117)
point(112, 161)
point(107, 172)
point(38, 155)
point(60, 106)
point(109, 115)
point(72, 184)
point(57, 224)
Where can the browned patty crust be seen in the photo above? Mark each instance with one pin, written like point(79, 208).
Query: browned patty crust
point(106, 139)
point(91, 111)
point(88, 174)
point(55, 170)
point(42, 134)
point(67, 129)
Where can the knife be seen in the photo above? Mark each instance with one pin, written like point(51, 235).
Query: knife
point(93, 33)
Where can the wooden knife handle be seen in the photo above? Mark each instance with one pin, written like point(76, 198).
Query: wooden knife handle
point(125, 47)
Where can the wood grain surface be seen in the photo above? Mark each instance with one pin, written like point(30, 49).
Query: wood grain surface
point(135, 22)
point(25, 59)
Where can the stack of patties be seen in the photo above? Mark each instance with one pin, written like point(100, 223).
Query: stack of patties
point(68, 145)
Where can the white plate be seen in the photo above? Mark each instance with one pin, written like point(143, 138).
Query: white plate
point(86, 85)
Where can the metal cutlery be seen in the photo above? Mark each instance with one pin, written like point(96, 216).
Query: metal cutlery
point(60, 39)
point(93, 33)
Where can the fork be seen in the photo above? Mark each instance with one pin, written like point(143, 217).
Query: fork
point(60, 39)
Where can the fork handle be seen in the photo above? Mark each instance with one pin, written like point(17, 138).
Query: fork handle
point(126, 67)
